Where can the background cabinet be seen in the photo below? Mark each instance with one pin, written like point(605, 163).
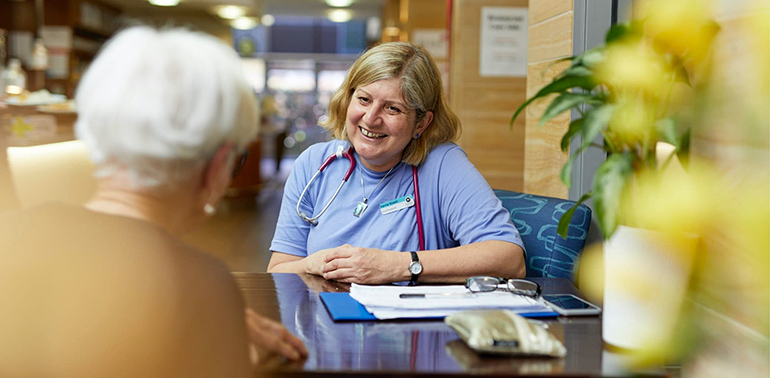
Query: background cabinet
point(73, 33)
point(72, 30)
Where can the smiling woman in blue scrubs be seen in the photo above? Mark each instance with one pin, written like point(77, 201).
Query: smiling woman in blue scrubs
point(402, 186)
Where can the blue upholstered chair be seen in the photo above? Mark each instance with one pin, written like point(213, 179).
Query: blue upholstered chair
point(537, 218)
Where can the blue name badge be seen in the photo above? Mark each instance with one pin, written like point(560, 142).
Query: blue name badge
point(396, 204)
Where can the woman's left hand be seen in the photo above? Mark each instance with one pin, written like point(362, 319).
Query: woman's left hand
point(364, 265)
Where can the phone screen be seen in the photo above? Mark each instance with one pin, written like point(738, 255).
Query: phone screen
point(566, 301)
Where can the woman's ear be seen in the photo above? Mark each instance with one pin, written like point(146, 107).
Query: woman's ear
point(424, 123)
point(217, 174)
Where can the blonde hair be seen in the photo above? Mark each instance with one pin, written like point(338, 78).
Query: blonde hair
point(421, 88)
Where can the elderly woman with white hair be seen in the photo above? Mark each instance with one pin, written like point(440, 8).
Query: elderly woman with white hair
point(108, 289)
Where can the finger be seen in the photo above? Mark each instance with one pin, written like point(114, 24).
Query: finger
point(286, 350)
point(296, 343)
point(340, 275)
point(339, 263)
point(342, 251)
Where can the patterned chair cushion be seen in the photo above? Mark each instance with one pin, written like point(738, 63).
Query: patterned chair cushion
point(537, 219)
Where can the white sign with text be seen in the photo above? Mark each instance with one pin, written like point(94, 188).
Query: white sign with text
point(503, 47)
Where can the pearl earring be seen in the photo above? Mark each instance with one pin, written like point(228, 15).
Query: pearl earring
point(209, 209)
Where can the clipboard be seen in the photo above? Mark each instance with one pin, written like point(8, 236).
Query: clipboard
point(342, 307)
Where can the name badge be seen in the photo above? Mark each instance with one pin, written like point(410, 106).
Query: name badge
point(396, 204)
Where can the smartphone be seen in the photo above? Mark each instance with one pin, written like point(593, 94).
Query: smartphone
point(568, 304)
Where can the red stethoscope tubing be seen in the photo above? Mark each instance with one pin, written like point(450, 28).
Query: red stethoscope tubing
point(349, 155)
point(418, 208)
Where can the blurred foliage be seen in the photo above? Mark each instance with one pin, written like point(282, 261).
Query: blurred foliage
point(629, 91)
point(673, 75)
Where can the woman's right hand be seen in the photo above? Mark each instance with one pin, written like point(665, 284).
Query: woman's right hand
point(269, 337)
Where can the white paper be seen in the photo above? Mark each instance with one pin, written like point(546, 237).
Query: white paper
point(503, 45)
point(383, 301)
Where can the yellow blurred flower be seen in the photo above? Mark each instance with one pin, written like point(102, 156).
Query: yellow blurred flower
point(633, 66)
point(631, 124)
point(683, 27)
point(673, 201)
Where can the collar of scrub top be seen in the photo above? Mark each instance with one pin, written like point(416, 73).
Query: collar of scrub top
point(348, 154)
point(341, 152)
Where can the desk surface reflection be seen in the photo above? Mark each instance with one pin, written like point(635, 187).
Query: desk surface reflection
point(403, 348)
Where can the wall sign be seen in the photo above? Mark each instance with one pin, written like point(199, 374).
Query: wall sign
point(503, 45)
point(434, 40)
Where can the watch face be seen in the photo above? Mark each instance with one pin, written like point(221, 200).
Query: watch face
point(415, 268)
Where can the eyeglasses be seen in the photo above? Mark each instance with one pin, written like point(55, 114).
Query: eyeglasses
point(240, 162)
point(482, 284)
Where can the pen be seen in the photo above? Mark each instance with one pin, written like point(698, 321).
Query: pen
point(424, 295)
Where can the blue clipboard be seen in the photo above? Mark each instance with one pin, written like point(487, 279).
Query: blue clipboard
point(342, 307)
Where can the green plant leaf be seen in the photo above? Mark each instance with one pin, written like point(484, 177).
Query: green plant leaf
point(683, 152)
point(590, 58)
point(521, 108)
point(561, 84)
point(667, 130)
point(609, 182)
point(566, 101)
point(596, 120)
point(578, 71)
point(617, 32)
point(566, 169)
point(565, 219)
point(629, 31)
point(574, 127)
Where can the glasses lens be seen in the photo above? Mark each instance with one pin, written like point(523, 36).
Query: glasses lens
point(524, 287)
point(481, 284)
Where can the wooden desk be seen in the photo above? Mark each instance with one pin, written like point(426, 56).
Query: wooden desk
point(405, 348)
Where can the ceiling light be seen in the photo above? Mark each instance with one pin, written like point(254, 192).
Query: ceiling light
point(164, 3)
point(339, 15)
point(231, 12)
point(244, 23)
point(268, 19)
point(339, 3)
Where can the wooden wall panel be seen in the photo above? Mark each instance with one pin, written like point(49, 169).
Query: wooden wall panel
point(550, 39)
point(485, 104)
point(426, 14)
point(540, 11)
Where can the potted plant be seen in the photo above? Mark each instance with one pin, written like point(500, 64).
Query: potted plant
point(636, 92)
point(626, 90)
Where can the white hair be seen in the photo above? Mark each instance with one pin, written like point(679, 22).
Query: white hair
point(159, 103)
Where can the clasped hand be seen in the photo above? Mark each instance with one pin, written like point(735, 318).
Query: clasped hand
point(359, 265)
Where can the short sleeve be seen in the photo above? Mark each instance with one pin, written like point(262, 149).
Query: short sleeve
point(469, 209)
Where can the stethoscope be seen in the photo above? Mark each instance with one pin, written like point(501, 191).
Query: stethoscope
point(348, 154)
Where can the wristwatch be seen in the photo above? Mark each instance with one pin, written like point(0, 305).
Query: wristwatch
point(415, 268)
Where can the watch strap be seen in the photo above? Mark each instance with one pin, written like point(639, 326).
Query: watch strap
point(415, 259)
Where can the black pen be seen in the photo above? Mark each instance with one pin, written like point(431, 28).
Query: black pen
point(424, 295)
